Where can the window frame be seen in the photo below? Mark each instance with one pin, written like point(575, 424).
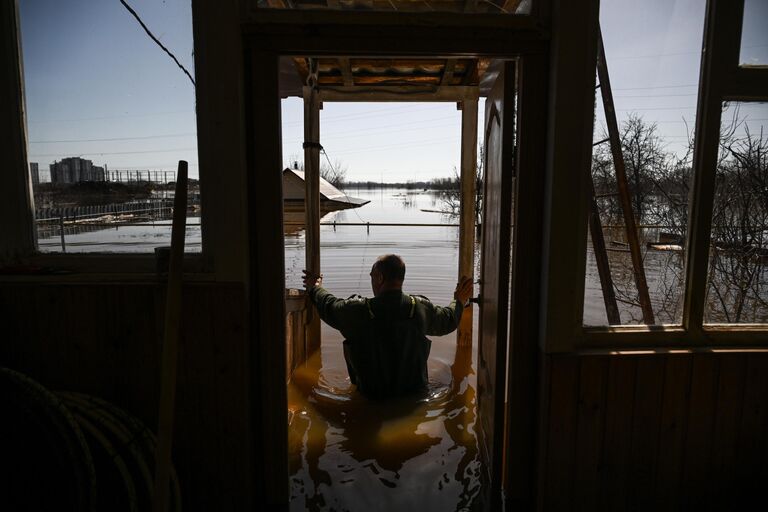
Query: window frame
point(18, 243)
point(721, 79)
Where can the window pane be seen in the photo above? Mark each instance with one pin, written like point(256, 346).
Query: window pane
point(653, 52)
point(754, 35)
point(738, 271)
point(109, 115)
point(474, 6)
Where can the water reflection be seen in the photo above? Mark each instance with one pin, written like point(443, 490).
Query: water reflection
point(348, 453)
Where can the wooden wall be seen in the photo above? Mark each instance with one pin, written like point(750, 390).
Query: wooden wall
point(104, 339)
point(654, 431)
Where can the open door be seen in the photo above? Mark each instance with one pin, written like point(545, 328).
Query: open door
point(495, 268)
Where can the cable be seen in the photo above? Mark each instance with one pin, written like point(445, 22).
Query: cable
point(156, 40)
point(112, 139)
point(334, 171)
point(123, 152)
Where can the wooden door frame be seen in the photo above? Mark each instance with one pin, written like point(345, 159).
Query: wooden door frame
point(265, 39)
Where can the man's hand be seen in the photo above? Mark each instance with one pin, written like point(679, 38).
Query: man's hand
point(463, 290)
point(311, 280)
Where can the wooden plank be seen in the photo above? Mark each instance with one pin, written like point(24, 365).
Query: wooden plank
point(721, 55)
point(103, 357)
point(696, 484)
point(171, 334)
point(524, 354)
point(346, 71)
point(561, 433)
point(523, 379)
point(450, 66)
point(266, 287)
point(674, 409)
point(619, 407)
point(728, 412)
point(312, 102)
point(495, 278)
point(601, 259)
point(587, 473)
point(649, 387)
point(623, 184)
point(18, 236)
point(219, 105)
point(752, 452)
point(569, 160)
point(467, 219)
point(398, 93)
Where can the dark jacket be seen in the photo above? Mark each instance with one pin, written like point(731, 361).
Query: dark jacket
point(386, 344)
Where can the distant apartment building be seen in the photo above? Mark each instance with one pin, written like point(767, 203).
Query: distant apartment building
point(34, 171)
point(75, 169)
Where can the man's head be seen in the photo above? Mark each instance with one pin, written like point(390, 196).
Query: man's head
point(387, 273)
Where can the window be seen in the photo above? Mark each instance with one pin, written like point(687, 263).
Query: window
point(653, 58)
point(754, 37)
point(109, 115)
point(737, 290)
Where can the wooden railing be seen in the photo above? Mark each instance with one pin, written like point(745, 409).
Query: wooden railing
point(295, 330)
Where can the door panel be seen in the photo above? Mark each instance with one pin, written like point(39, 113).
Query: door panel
point(496, 239)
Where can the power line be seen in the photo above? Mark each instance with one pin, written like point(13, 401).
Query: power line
point(113, 138)
point(156, 40)
point(121, 152)
point(118, 116)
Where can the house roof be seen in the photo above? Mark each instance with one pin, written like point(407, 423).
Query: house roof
point(293, 190)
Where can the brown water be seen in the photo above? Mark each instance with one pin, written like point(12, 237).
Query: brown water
point(419, 453)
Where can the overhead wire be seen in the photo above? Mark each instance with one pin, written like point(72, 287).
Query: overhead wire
point(157, 41)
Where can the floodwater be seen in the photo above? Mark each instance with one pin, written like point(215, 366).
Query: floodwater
point(418, 453)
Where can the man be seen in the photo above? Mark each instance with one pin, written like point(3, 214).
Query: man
point(386, 345)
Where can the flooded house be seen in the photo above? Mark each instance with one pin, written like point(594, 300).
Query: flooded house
point(112, 362)
point(331, 198)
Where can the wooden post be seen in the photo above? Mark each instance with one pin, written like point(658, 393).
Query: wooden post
point(171, 336)
point(603, 265)
point(17, 229)
point(312, 201)
point(467, 217)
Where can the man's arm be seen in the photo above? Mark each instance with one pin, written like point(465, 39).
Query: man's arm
point(442, 321)
point(338, 313)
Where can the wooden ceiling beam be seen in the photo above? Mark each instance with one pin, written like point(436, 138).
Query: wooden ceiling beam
point(346, 71)
point(450, 66)
point(470, 72)
point(398, 93)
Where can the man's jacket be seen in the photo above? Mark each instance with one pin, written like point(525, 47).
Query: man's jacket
point(386, 345)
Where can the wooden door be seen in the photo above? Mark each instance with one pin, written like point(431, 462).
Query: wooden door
point(494, 290)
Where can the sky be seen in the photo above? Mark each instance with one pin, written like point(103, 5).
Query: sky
point(98, 87)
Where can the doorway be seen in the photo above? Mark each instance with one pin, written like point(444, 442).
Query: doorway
point(496, 450)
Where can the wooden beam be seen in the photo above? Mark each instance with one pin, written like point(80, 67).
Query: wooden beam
point(171, 335)
point(723, 47)
point(266, 284)
point(312, 102)
point(447, 78)
point(398, 93)
point(346, 71)
point(622, 183)
point(467, 214)
point(469, 72)
point(219, 106)
point(569, 159)
point(17, 231)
